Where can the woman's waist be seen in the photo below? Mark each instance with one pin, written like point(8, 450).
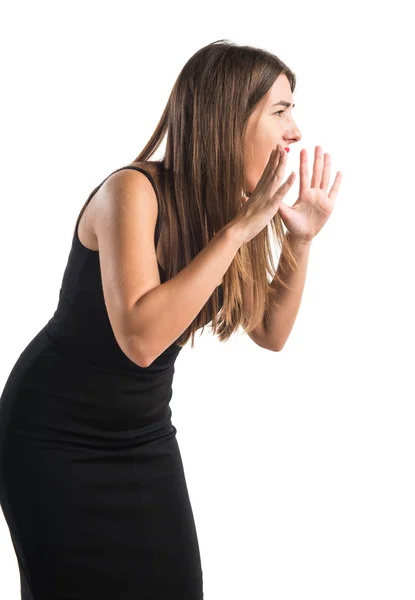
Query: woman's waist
point(66, 433)
point(52, 390)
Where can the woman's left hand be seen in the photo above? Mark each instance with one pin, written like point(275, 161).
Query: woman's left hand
point(306, 217)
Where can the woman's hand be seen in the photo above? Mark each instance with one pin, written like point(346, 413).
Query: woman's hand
point(314, 205)
point(309, 213)
point(257, 211)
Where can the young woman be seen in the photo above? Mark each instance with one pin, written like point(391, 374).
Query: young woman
point(92, 485)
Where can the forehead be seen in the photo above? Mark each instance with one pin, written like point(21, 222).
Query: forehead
point(280, 90)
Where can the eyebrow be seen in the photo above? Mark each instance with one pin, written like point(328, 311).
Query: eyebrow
point(283, 103)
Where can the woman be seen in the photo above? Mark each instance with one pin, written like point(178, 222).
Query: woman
point(92, 485)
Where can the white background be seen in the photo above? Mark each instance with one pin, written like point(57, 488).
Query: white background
point(299, 464)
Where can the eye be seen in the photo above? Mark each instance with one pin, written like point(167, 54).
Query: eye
point(279, 112)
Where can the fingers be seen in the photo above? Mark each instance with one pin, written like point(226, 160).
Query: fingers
point(336, 186)
point(325, 180)
point(274, 161)
point(303, 171)
point(272, 164)
point(275, 172)
point(283, 189)
point(317, 168)
point(278, 168)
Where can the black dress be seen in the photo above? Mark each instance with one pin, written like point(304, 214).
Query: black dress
point(92, 485)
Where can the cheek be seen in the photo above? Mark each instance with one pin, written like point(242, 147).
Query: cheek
point(267, 140)
point(261, 143)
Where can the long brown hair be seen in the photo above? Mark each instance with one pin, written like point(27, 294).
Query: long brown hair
point(202, 178)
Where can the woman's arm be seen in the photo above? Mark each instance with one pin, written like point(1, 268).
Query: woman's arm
point(282, 318)
point(162, 314)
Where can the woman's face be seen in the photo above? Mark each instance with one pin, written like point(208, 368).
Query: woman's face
point(270, 124)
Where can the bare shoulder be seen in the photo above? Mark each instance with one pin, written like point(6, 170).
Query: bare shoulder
point(124, 222)
point(154, 168)
point(123, 179)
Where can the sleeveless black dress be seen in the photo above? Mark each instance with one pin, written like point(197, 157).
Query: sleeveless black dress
point(92, 484)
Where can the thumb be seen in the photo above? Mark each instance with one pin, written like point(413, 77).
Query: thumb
point(284, 209)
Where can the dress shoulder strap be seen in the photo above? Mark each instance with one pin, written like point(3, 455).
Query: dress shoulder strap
point(149, 177)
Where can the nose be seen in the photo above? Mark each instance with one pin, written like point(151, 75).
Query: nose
point(296, 137)
point(297, 134)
